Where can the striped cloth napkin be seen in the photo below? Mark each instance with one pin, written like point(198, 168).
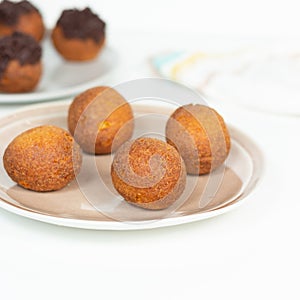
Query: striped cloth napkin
point(260, 78)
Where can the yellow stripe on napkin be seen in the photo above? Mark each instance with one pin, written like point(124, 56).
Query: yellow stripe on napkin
point(185, 63)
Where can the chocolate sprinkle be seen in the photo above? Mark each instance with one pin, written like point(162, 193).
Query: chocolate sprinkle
point(81, 24)
point(11, 11)
point(21, 47)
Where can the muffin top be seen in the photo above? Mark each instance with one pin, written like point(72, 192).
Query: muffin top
point(82, 24)
point(11, 11)
point(21, 47)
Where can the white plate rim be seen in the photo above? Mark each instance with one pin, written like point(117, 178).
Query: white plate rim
point(29, 98)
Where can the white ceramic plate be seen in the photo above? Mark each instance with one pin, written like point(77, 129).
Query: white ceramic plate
point(62, 79)
point(91, 202)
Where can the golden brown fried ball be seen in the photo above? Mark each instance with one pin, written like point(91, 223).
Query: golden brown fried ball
point(148, 173)
point(200, 135)
point(101, 120)
point(44, 158)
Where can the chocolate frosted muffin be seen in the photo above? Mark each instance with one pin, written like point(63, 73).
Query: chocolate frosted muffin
point(79, 34)
point(20, 63)
point(21, 16)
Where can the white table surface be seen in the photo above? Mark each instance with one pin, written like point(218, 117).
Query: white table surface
point(249, 253)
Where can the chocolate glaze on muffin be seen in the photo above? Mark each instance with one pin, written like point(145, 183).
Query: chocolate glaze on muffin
point(11, 11)
point(21, 16)
point(20, 63)
point(79, 34)
point(81, 24)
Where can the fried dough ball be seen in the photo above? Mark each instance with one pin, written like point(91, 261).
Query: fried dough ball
point(22, 17)
point(100, 120)
point(200, 135)
point(148, 173)
point(44, 158)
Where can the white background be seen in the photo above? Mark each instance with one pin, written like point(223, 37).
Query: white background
point(232, 17)
point(249, 253)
